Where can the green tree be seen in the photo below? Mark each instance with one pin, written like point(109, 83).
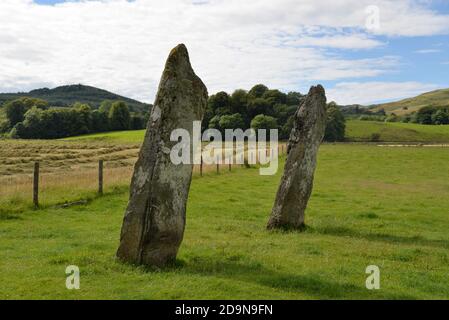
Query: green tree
point(275, 97)
point(234, 121)
point(16, 109)
point(208, 115)
point(406, 118)
point(105, 106)
point(287, 128)
point(282, 112)
point(257, 91)
point(335, 124)
point(137, 122)
point(100, 121)
point(119, 116)
point(263, 122)
point(424, 115)
point(220, 103)
point(214, 123)
point(19, 131)
point(441, 116)
point(32, 124)
point(259, 106)
point(4, 126)
point(294, 98)
point(392, 118)
point(84, 116)
point(239, 101)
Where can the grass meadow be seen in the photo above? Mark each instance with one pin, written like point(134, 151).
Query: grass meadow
point(362, 131)
point(370, 206)
point(356, 131)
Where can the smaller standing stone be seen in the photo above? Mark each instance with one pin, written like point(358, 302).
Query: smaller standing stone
point(297, 181)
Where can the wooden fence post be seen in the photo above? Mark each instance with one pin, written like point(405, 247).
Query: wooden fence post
point(100, 177)
point(36, 185)
point(218, 168)
point(201, 166)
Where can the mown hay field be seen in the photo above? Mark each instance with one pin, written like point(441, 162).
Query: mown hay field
point(68, 170)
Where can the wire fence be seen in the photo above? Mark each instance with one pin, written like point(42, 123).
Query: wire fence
point(43, 187)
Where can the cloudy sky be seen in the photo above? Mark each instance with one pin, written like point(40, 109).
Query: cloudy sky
point(362, 51)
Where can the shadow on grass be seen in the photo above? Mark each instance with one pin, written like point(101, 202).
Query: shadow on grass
point(311, 284)
point(14, 210)
point(9, 216)
point(388, 238)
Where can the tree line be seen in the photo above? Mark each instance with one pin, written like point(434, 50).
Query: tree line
point(426, 115)
point(258, 108)
point(264, 108)
point(32, 118)
point(429, 115)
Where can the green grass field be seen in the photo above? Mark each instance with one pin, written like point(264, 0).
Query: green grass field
point(368, 207)
point(131, 136)
point(356, 130)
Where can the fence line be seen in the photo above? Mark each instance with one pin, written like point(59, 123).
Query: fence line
point(54, 188)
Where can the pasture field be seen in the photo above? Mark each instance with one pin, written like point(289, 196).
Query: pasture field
point(370, 206)
point(356, 131)
point(130, 136)
point(362, 131)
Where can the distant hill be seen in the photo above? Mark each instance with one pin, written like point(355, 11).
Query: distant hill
point(406, 106)
point(66, 96)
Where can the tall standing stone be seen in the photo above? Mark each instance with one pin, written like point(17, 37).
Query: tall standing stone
point(297, 181)
point(154, 222)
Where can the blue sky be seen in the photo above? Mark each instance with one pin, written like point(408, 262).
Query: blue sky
point(121, 45)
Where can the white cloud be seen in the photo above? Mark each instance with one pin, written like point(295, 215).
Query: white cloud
point(122, 46)
point(375, 92)
point(426, 51)
point(339, 41)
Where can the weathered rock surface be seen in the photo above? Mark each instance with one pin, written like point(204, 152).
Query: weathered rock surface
point(297, 181)
point(154, 222)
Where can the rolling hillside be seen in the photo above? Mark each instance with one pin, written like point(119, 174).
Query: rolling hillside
point(435, 98)
point(363, 131)
point(67, 95)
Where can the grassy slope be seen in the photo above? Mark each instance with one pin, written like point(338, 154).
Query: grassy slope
point(396, 132)
point(437, 98)
point(356, 130)
point(386, 208)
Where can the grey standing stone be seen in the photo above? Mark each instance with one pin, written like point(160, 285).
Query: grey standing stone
point(154, 222)
point(297, 181)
